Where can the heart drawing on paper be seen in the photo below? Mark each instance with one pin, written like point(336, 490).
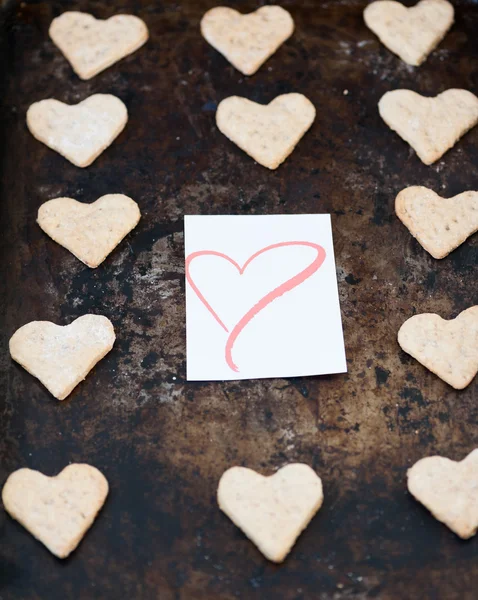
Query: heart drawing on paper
point(269, 297)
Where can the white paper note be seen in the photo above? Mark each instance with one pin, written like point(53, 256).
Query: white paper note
point(261, 297)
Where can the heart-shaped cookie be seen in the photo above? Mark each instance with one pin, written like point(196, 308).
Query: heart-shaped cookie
point(271, 511)
point(247, 41)
point(91, 45)
point(61, 357)
point(412, 33)
point(80, 132)
point(448, 348)
point(267, 133)
point(439, 224)
point(89, 231)
point(430, 125)
point(59, 510)
point(449, 490)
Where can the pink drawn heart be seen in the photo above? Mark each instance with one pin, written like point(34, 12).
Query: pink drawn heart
point(281, 289)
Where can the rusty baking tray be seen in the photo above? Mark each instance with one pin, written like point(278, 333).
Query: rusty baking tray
point(163, 443)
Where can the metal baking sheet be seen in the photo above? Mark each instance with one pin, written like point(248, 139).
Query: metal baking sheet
point(163, 443)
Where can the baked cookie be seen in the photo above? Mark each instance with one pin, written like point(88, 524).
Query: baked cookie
point(271, 511)
point(59, 510)
point(447, 348)
point(411, 33)
point(439, 224)
point(89, 231)
point(430, 125)
point(267, 133)
point(80, 132)
point(62, 356)
point(91, 45)
point(448, 489)
point(247, 41)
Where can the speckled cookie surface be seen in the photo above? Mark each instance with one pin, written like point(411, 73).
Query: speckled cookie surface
point(430, 125)
point(80, 132)
point(271, 511)
point(449, 490)
point(439, 224)
point(448, 348)
point(62, 356)
point(411, 33)
point(91, 45)
point(89, 231)
point(267, 133)
point(59, 510)
point(247, 41)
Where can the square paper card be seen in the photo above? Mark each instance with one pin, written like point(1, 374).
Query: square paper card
point(261, 297)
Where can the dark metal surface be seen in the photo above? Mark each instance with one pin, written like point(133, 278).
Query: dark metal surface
point(163, 443)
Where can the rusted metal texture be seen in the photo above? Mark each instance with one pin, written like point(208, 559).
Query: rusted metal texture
point(162, 442)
